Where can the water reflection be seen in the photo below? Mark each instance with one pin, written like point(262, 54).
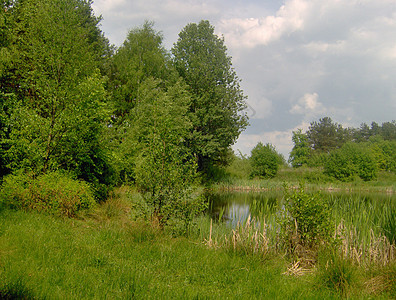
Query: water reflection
point(236, 207)
point(356, 207)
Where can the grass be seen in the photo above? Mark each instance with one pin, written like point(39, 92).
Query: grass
point(112, 253)
point(45, 257)
point(313, 178)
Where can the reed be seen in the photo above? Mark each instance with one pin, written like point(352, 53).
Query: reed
point(378, 250)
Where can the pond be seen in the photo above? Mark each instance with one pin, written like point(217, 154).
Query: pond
point(364, 210)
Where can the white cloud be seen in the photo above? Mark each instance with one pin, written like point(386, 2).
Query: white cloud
point(323, 47)
point(108, 5)
point(308, 105)
point(183, 8)
point(299, 60)
point(250, 32)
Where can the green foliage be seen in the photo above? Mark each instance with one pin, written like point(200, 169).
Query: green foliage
point(165, 170)
point(301, 150)
point(141, 59)
point(324, 136)
point(384, 153)
point(58, 114)
point(141, 56)
point(339, 166)
point(350, 161)
point(239, 167)
point(264, 161)
point(201, 59)
point(305, 220)
point(387, 131)
point(54, 192)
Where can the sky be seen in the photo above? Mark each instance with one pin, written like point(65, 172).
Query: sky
point(298, 60)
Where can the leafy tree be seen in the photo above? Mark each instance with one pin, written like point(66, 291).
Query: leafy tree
point(300, 153)
point(325, 135)
point(58, 117)
point(165, 169)
point(384, 153)
point(7, 98)
point(201, 59)
point(139, 60)
point(362, 134)
point(388, 131)
point(141, 56)
point(375, 129)
point(264, 161)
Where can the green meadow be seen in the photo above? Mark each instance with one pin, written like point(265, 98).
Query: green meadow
point(109, 253)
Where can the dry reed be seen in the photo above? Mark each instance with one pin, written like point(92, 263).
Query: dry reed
point(379, 250)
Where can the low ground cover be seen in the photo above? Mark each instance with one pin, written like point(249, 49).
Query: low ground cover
point(112, 253)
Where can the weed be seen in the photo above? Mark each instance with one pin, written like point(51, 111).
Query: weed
point(335, 272)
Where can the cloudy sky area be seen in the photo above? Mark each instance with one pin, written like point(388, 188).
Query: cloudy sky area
point(299, 60)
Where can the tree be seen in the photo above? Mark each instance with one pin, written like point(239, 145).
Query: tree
point(58, 117)
point(388, 131)
point(201, 59)
point(264, 161)
point(7, 97)
point(140, 59)
point(165, 169)
point(384, 153)
point(141, 56)
point(300, 153)
point(325, 135)
point(362, 134)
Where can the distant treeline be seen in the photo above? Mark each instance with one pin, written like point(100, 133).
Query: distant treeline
point(345, 153)
point(336, 152)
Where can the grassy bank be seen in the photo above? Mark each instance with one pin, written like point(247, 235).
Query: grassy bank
point(43, 257)
point(108, 255)
point(313, 177)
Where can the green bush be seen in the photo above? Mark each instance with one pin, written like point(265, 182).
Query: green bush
point(239, 167)
point(339, 166)
point(350, 161)
point(54, 192)
point(305, 221)
point(264, 161)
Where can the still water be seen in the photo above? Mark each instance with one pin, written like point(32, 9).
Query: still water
point(358, 208)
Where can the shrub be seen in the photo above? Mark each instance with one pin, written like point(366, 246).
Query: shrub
point(53, 192)
point(305, 221)
point(350, 161)
point(265, 161)
point(239, 167)
point(339, 166)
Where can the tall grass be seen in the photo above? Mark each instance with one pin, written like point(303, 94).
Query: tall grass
point(43, 257)
point(116, 252)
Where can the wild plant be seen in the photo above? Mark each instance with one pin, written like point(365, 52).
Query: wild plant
point(304, 224)
point(53, 192)
point(245, 239)
point(378, 250)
